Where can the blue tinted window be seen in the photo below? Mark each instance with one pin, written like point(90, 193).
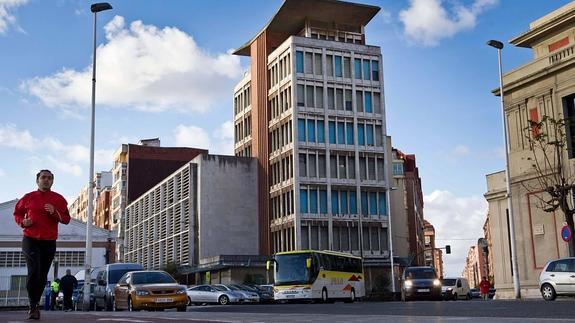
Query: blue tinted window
point(311, 130)
point(369, 131)
point(331, 132)
point(368, 104)
point(375, 70)
point(340, 133)
point(320, 131)
point(323, 201)
point(299, 61)
point(366, 69)
point(360, 134)
point(382, 204)
point(313, 201)
point(343, 198)
point(363, 202)
point(349, 133)
point(352, 202)
point(338, 68)
point(357, 68)
point(301, 129)
point(373, 203)
point(334, 202)
point(303, 201)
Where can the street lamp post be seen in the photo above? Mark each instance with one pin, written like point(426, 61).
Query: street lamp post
point(499, 45)
point(390, 237)
point(95, 8)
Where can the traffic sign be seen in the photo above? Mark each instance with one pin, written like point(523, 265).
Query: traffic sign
point(566, 233)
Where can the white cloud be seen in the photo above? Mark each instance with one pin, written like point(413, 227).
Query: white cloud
point(426, 22)
point(458, 221)
point(191, 136)
point(69, 158)
point(7, 19)
point(221, 140)
point(146, 68)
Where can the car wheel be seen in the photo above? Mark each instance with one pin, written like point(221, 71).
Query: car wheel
point(324, 297)
point(548, 292)
point(189, 301)
point(224, 300)
point(182, 309)
point(455, 297)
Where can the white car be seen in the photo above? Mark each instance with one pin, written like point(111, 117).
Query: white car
point(455, 288)
point(557, 278)
point(212, 294)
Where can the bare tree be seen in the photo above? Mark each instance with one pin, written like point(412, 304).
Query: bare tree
point(548, 142)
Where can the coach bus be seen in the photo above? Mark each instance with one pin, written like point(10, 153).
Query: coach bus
point(317, 275)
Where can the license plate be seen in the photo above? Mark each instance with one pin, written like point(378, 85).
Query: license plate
point(290, 296)
point(424, 290)
point(164, 300)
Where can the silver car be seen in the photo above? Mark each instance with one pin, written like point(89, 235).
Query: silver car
point(557, 278)
point(249, 295)
point(212, 294)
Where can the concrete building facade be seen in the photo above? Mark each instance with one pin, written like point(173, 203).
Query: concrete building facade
point(544, 86)
point(205, 209)
point(137, 168)
point(315, 121)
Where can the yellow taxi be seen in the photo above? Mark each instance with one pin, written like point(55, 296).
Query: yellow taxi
point(149, 290)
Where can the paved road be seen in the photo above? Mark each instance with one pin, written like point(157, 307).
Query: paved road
point(478, 311)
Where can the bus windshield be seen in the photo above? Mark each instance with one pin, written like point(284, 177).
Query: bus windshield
point(291, 269)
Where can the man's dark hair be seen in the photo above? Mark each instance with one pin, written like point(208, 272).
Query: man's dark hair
point(44, 170)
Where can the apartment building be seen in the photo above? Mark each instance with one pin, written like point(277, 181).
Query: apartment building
point(545, 86)
point(311, 110)
point(79, 207)
point(205, 209)
point(136, 169)
point(475, 266)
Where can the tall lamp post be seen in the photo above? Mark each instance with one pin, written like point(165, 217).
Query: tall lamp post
point(95, 8)
point(499, 45)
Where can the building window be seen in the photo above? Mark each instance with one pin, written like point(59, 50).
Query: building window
point(569, 112)
point(343, 197)
point(311, 130)
point(334, 202)
point(303, 200)
point(347, 67)
point(308, 65)
point(382, 203)
point(352, 202)
point(313, 201)
point(357, 68)
point(300, 95)
point(349, 133)
point(368, 103)
point(319, 97)
point(341, 133)
point(372, 203)
point(364, 203)
point(299, 61)
point(331, 126)
point(338, 67)
point(360, 134)
point(301, 130)
point(323, 201)
point(366, 69)
point(375, 70)
point(359, 100)
point(369, 134)
point(397, 168)
point(320, 131)
point(329, 65)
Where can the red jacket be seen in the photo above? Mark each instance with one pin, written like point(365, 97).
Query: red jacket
point(484, 286)
point(44, 225)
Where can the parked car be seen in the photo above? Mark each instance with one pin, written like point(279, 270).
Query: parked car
point(475, 293)
point(266, 293)
point(455, 288)
point(106, 279)
point(150, 290)
point(420, 282)
point(249, 296)
point(78, 299)
point(201, 294)
point(557, 278)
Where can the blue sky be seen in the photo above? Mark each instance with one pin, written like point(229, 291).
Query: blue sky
point(164, 70)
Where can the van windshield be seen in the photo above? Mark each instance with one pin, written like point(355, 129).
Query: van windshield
point(420, 273)
point(448, 282)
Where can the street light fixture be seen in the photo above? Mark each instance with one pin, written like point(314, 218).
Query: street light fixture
point(95, 8)
point(516, 286)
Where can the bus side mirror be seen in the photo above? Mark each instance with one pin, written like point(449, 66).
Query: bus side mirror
point(268, 265)
point(308, 263)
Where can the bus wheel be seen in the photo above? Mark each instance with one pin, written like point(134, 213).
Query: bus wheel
point(324, 295)
point(351, 296)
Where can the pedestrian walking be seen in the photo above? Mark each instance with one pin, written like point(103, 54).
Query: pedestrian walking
point(38, 213)
point(54, 290)
point(67, 285)
point(484, 286)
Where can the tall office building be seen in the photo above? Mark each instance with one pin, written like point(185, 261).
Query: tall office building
point(311, 110)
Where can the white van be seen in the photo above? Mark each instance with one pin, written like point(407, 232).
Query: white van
point(455, 288)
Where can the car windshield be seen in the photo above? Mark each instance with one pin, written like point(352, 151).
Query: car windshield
point(220, 288)
point(153, 277)
point(234, 287)
point(420, 273)
point(448, 282)
point(291, 269)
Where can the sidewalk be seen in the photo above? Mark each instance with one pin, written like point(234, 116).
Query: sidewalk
point(85, 317)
